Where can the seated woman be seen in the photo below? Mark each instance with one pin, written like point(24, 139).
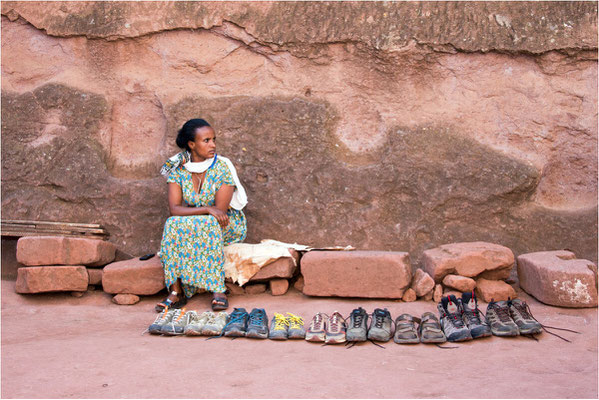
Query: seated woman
point(205, 200)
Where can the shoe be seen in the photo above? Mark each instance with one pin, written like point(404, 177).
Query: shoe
point(520, 313)
point(452, 320)
point(164, 317)
point(335, 329)
point(237, 324)
point(176, 326)
point(380, 325)
point(430, 329)
point(357, 330)
point(316, 331)
point(296, 327)
point(405, 330)
point(196, 322)
point(214, 324)
point(279, 327)
point(257, 324)
point(472, 316)
point(498, 317)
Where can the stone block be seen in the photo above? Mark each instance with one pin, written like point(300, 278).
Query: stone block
point(448, 292)
point(558, 278)
point(59, 250)
point(283, 267)
point(95, 276)
point(409, 295)
point(487, 290)
point(461, 283)
point(422, 283)
point(134, 277)
point(234, 289)
point(299, 283)
point(466, 259)
point(371, 274)
point(278, 286)
point(125, 299)
point(256, 288)
point(51, 279)
point(428, 296)
point(437, 293)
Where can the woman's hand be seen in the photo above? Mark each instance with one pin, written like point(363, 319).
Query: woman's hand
point(220, 215)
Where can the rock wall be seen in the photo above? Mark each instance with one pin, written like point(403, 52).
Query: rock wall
point(389, 125)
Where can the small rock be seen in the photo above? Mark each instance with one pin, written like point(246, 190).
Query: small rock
point(77, 294)
point(422, 283)
point(409, 295)
point(95, 276)
point(448, 292)
point(125, 299)
point(461, 283)
point(428, 296)
point(487, 290)
point(278, 286)
point(438, 293)
point(299, 283)
point(234, 289)
point(256, 288)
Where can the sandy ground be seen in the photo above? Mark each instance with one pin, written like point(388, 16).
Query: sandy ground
point(58, 346)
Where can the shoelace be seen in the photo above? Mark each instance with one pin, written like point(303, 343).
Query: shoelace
point(502, 312)
point(317, 322)
point(379, 319)
point(281, 322)
point(236, 316)
point(529, 313)
point(256, 318)
point(334, 322)
point(358, 317)
point(295, 322)
point(159, 319)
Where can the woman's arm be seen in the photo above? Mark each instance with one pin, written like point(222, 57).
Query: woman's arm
point(222, 199)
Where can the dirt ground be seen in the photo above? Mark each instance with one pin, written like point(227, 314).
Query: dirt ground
point(59, 346)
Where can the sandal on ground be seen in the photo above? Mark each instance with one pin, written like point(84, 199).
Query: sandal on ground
point(170, 304)
point(430, 329)
point(405, 329)
point(220, 303)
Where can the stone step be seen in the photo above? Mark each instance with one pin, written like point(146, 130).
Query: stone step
point(58, 250)
point(284, 267)
point(52, 279)
point(134, 277)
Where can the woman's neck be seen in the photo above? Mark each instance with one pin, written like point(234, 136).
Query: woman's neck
point(196, 158)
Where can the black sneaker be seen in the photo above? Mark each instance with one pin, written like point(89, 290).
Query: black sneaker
point(357, 329)
point(452, 320)
point(472, 316)
point(237, 324)
point(257, 324)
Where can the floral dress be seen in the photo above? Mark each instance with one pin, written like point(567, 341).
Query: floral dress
point(192, 246)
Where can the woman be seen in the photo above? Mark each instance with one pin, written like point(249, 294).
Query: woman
point(205, 199)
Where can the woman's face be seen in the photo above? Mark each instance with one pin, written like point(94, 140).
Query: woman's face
point(204, 144)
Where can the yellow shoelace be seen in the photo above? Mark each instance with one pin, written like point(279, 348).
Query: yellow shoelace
point(295, 322)
point(280, 322)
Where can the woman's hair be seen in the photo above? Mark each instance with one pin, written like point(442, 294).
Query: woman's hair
point(188, 132)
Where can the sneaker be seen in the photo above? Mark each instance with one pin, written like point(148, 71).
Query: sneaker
point(335, 329)
point(430, 329)
point(195, 323)
point(237, 324)
point(498, 317)
point(296, 327)
point(214, 324)
point(520, 313)
point(405, 330)
point(380, 326)
point(176, 325)
point(257, 324)
point(279, 327)
point(452, 321)
point(164, 317)
point(316, 331)
point(357, 330)
point(472, 316)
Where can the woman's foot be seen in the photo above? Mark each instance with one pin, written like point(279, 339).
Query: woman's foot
point(171, 301)
point(220, 302)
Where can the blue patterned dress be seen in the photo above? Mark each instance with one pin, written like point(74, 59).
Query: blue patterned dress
point(192, 246)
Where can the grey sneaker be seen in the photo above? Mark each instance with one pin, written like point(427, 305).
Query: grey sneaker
point(316, 331)
point(520, 313)
point(161, 319)
point(430, 329)
point(296, 327)
point(335, 329)
point(472, 316)
point(279, 327)
point(257, 324)
point(380, 325)
point(498, 317)
point(176, 325)
point(214, 324)
point(405, 330)
point(195, 323)
point(237, 324)
point(357, 330)
point(452, 321)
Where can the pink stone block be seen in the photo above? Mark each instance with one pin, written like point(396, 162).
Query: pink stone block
point(59, 250)
point(134, 277)
point(278, 287)
point(283, 267)
point(51, 279)
point(422, 283)
point(487, 290)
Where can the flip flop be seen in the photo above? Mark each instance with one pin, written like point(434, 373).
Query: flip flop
point(170, 304)
point(219, 304)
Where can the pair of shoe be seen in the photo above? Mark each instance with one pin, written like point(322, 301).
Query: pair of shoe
point(429, 329)
point(461, 318)
point(511, 318)
point(242, 324)
point(169, 322)
point(290, 327)
point(379, 330)
point(328, 329)
point(178, 322)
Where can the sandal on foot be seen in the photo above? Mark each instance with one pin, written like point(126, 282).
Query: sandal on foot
point(220, 303)
point(170, 304)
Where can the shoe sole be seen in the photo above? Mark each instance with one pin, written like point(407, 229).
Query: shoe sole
point(337, 339)
point(406, 341)
point(482, 335)
point(192, 332)
point(505, 334)
point(211, 332)
point(234, 333)
point(315, 337)
point(532, 331)
point(277, 337)
point(435, 340)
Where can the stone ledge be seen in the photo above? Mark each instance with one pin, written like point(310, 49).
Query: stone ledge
point(59, 250)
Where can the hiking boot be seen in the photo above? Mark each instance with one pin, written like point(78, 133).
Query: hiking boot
point(237, 324)
point(430, 329)
point(498, 317)
point(357, 330)
point(257, 324)
point(215, 324)
point(520, 313)
point(164, 317)
point(380, 326)
point(296, 327)
point(452, 321)
point(195, 323)
point(176, 325)
point(405, 330)
point(316, 331)
point(279, 327)
point(335, 329)
point(472, 316)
